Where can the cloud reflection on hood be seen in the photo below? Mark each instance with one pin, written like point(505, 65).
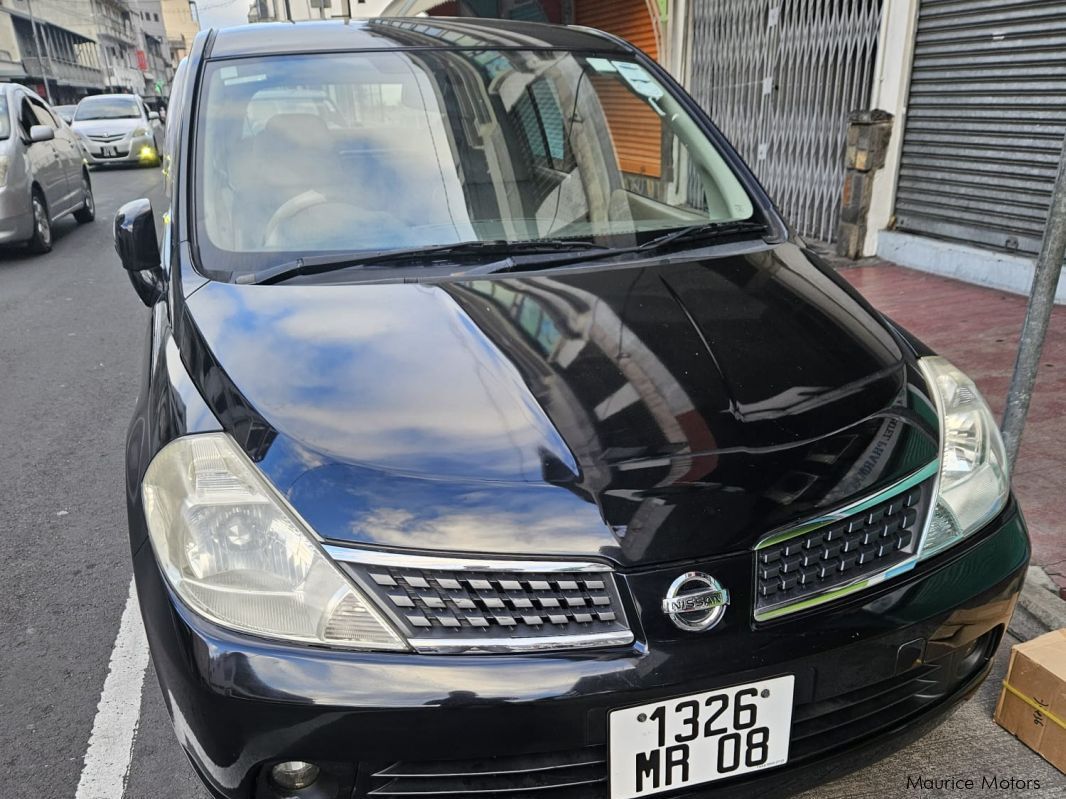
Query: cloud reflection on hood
point(343, 370)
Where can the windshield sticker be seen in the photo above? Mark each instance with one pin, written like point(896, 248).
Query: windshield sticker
point(231, 77)
point(601, 64)
point(639, 80)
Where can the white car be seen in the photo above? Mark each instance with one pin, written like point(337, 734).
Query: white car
point(118, 129)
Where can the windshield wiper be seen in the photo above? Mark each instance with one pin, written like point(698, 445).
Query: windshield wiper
point(708, 231)
point(703, 230)
point(319, 264)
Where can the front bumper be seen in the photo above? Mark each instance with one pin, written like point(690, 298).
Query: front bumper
point(16, 214)
point(872, 672)
point(139, 150)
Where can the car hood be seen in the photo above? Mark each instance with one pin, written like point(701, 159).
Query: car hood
point(639, 414)
point(107, 127)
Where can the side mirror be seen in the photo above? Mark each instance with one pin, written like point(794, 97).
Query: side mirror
point(40, 133)
point(138, 249)
point(153, 116)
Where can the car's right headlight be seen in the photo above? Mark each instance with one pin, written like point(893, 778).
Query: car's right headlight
point(974, 481)
point(5, 163)
point(235, 553)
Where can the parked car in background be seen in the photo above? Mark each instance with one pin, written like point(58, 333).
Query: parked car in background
point(66, 112)
point(158, 105)
point(42, 173)
point(118, 129)
point(497, 439)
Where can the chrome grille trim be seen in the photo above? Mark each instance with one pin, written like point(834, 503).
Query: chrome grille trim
point(472, 646)
point(373, 557)
point(921, 482)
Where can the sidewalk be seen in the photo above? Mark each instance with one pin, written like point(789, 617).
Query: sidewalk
point(977, 329)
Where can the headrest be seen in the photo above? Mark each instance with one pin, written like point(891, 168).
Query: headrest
point(298, 130)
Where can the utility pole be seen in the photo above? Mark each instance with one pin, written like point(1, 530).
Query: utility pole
point(1037, 316)
point(41, 59)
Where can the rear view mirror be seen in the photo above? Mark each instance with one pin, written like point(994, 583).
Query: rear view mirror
point(138, 249)
point(40, 133)
point(153, 115)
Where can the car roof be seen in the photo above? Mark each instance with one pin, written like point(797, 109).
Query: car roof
point(395, 33)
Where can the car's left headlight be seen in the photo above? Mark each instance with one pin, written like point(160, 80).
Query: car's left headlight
point(140, 132)
point(236, 553)
point(974, 481)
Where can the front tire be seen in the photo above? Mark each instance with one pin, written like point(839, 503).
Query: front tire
point(87, 212)
point(41, 240)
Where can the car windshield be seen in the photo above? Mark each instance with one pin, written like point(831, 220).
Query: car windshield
point(5, 119)
point(352, 152)
point(107, 108)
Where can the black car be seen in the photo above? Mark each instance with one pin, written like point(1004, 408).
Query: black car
point(497, 439)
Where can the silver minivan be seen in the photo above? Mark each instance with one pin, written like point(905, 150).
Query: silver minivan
point(43, 175)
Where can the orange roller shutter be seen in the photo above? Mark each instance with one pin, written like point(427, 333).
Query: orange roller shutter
point(635, 128)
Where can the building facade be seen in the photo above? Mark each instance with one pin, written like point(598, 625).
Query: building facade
point(157, 62)
point(118, 36)
point(67, 49)
point(181, 25)
point(980, 117)
point(51, 47)
point(297, 10)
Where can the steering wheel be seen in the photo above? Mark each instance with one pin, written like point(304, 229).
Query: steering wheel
point(300, 204)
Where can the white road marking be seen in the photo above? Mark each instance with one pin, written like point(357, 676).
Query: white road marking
point(107, 760)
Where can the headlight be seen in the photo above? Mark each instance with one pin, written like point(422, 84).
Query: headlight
point(5, 162)
point(139, 132)
point(236, 554)
point(974, 482)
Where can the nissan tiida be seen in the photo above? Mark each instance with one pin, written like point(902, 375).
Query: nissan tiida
point(497, 438)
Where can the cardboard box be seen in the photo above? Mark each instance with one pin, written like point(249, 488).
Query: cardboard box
point(1032, 705)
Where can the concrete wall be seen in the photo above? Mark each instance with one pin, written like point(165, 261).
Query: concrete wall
point(1013, 273)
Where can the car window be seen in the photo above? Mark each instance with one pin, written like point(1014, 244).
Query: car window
point(367, 151)
point(27, 118)
point(102, 107)
point(44, 116)
point(5, 118)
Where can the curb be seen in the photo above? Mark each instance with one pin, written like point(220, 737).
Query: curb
point(1039, 610)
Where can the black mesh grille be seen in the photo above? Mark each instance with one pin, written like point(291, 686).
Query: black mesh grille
point(465, 607)
point(840, 552)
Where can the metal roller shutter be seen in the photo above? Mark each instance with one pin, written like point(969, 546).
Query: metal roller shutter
point(635, 129)
point(985, 121)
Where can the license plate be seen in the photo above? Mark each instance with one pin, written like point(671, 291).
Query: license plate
point(109, 152)
point(700, 738)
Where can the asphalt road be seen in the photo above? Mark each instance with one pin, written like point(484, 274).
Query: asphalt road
point(71, 344)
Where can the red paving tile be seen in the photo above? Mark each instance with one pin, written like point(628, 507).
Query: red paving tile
point(977, 329)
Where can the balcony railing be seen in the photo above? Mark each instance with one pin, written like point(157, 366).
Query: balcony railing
point(62, 72)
